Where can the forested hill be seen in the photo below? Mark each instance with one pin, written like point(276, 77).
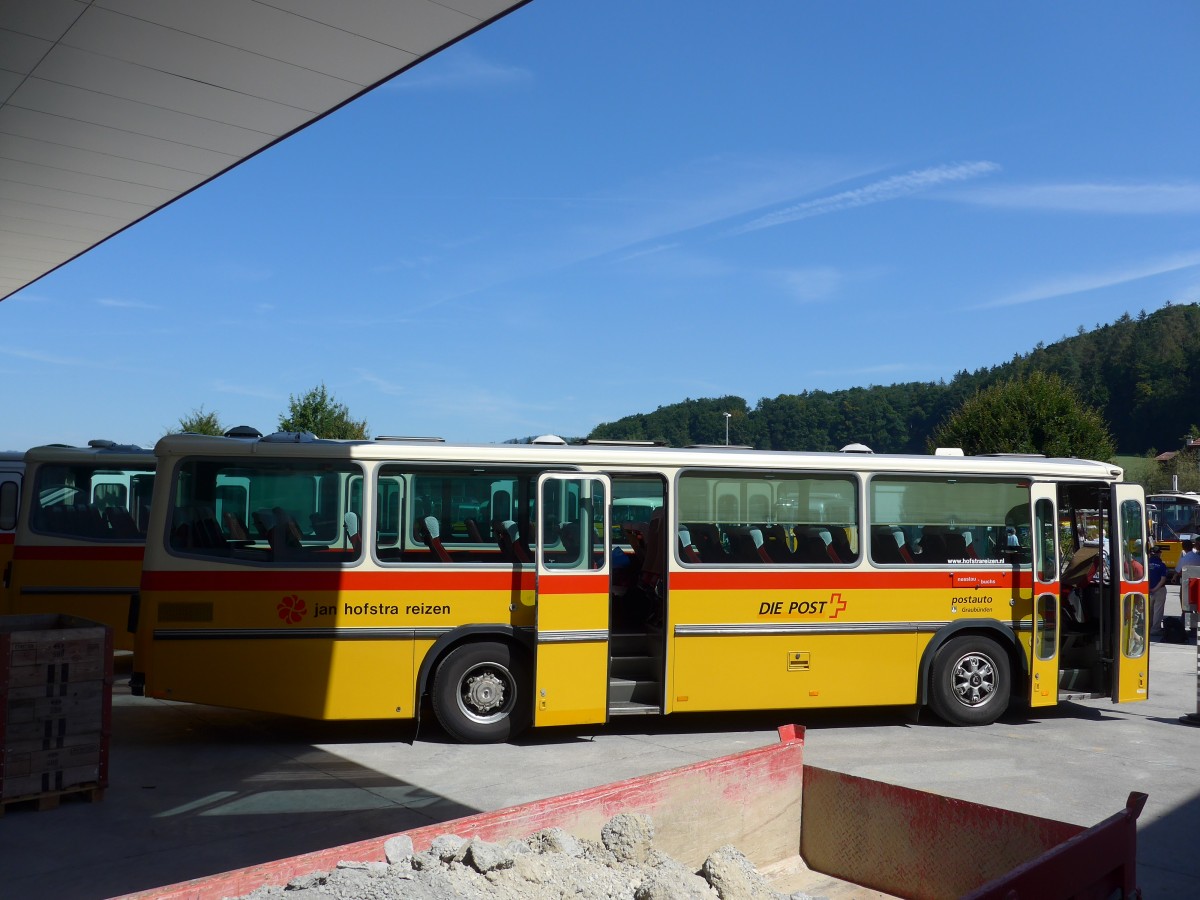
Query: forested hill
point(1143, 374)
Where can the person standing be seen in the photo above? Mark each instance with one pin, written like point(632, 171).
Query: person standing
point(1189, 557)
point(1158, 577)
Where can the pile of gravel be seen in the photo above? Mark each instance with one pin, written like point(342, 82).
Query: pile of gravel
point(548, 865)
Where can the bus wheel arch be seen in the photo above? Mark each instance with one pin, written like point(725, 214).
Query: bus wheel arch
point(998, 633)
point(482, 689)
point(971, 679)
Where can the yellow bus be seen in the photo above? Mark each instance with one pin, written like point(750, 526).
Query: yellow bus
point(358, 579)
point(12, 468)
point(81, 532)
point(1176, 519)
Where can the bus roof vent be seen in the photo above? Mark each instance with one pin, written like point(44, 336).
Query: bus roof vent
point(290, 437)
point(604, 442)
point(547, 439)
point(244, 431)
point(101, 444)
point(949, 451)
point(856, 448)
point(406, 437)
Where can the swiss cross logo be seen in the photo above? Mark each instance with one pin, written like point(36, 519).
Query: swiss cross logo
point(837, 603)
point(292, 609)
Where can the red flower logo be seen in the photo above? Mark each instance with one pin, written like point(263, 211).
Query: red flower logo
point(291, 609)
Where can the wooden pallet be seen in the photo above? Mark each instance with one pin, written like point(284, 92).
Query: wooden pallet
point(91, 793)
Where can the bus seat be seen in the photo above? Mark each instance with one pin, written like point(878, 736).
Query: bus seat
point(810, 546)
point(687, 550)
point(841, 543)
point(508, 536)
point(743, 548)
point(235, 528)
point(884, 546)
point(120, 522)
point(569, 534)
point(284, 536)
point(655, 562)
point(934, 550)
point(205, 530)
point(473, 532)
point(263, 520)
point(708, 541)
point(353, 534)
point(956, 545)
point(429, 532)
point(635, 535)
point(776, 540)
point(756, 536)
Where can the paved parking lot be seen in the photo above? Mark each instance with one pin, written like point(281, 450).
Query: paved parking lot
point(196, 790)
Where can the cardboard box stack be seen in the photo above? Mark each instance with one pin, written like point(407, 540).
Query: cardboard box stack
point(56, 676)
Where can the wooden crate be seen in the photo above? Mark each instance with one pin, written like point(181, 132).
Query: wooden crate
point(56, 678)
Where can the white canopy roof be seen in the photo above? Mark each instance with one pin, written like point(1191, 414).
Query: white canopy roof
point(111, 109)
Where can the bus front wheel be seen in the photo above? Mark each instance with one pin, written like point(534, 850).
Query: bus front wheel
point(481, 692)
point(971, 681)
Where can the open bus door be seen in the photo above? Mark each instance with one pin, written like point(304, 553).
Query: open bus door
point(1044, 647)
point(573, 537)
point(1128, 598)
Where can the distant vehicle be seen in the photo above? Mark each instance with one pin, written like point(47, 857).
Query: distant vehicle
point(81, 533)
point(1178, 519)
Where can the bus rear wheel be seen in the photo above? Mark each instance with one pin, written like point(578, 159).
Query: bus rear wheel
point(481, 692)
point(972, 683)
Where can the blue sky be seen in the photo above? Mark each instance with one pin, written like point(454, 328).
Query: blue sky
point(593, 208)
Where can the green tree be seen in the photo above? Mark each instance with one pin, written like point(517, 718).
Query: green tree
point(1035, 413)
point(200, 422)
point(318, 412)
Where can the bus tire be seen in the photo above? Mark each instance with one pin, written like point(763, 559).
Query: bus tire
point(972, 681)
point(481, 692)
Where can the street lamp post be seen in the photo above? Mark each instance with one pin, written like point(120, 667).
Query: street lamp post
point(728, 416)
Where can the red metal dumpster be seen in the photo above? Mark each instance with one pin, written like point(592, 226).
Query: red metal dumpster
point(805, 826)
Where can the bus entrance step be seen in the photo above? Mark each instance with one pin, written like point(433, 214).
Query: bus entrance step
point(626, 708)
point(628, 690)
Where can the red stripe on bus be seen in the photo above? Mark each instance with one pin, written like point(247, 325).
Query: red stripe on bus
point(6, 537)
point(337, 580)
point(573, 584)
point(75, 552)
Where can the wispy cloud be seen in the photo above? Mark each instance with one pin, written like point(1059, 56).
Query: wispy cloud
point(815, 283)
point(1168, 198)
point(892, 188)
point(462, 71)
point(35, 356)
point(1090, 281)
point(115, 303)
point(382, 385)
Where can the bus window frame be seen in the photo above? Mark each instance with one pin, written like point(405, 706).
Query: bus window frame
point(853, 477)
point(166, 543)
point(999, 561)
point(408, 536)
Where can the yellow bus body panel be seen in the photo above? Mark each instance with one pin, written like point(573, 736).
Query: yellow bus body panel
point(115, 581)
point(568, 691)
point(855, 647)
point(571, 679)
point(324, 654)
